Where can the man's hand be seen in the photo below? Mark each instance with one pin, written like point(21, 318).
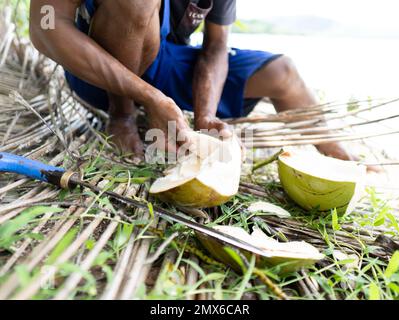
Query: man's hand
point(168, 117)
point(214, 126)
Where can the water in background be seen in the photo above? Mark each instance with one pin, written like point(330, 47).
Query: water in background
point(339, 67)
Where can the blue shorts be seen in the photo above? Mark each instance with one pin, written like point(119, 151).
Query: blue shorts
point(172, 71)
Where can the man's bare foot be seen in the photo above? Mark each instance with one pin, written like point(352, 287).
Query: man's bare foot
point(124, 134)
point(337, 150)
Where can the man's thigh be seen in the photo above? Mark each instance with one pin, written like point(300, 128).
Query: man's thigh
point(273, 79)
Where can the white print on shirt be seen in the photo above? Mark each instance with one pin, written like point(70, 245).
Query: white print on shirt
point(196, 18)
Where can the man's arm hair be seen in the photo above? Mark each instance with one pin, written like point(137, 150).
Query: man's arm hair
point(83, 57)
point(211, 70)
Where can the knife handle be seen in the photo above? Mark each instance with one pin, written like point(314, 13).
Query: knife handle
point(29, 168)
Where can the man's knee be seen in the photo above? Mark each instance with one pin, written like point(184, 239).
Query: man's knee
point(284, 75)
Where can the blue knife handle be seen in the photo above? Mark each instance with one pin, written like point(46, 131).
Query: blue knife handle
point(29, 168)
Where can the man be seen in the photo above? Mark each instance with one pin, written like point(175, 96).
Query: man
point(119, 54)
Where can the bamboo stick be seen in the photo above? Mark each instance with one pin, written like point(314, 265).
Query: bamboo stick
point(269, 144)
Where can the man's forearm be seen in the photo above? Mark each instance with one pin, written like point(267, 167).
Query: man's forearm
point(90, 62)
point(209, 77)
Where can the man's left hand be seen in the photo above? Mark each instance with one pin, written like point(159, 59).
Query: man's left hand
point(215, 127)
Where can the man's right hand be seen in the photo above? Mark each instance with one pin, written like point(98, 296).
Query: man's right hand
point(169, 118)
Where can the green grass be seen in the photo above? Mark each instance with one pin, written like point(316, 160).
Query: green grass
point(373, 278)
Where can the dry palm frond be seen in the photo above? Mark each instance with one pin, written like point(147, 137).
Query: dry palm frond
point(280, 141)
point(308, 116)
point(304, 126)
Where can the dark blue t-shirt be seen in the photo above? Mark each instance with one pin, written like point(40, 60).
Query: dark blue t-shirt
point(187, 15)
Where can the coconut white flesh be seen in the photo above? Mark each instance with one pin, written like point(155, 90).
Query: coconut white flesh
point(203, 145)
point(215, 163)
point(272, 248)
point(178, 175)
point(317, 165)
point(295, 249)
point(268, 209)
point(221, 171)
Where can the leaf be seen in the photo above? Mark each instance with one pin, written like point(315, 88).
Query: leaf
point(89, 287)
point(90, 244)
point(268, 209)
point(393, 265)
point(123, 235)
point(34, 236)
point(23, 274)
point(374, 292)
point(10, 228)
point(63, 193)
point(394, 287)
point(62, 245)
point(335, 223)
point(380, 219)
point(212, 277)
point(121, 180)
point(106, 203)
point(246, 278)
point(236, 257)
point(195, 266)
point(108, 272)
point(393, 221)
point(379, 222)
point(139, 180)
point(102, 258)
point(150, 209)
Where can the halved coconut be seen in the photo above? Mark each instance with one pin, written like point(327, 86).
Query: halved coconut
point(290, 256)
point(315, 181)
point(209, 176)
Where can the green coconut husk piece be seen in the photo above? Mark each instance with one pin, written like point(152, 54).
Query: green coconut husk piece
point(316, 182)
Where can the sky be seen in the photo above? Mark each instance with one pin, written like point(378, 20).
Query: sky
point(377, 13)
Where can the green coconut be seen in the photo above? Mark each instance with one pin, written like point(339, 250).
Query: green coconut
point(289, 256)
point(322, 183)
point(209, 176)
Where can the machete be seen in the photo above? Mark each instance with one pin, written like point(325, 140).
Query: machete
point(68, 180)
